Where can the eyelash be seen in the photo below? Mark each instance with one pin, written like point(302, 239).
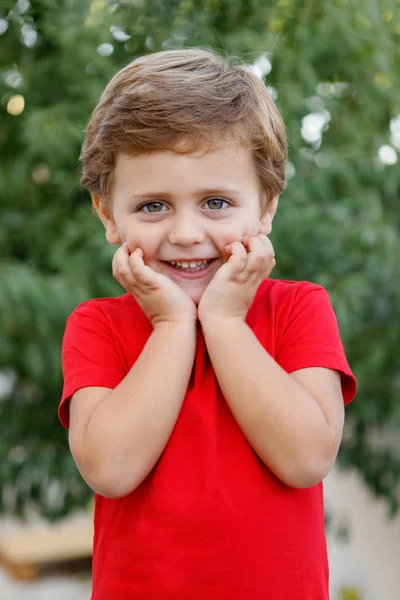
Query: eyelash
point(140, 208)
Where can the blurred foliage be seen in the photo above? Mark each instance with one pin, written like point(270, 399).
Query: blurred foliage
point(335, 67)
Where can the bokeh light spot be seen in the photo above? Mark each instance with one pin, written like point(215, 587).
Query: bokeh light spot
point(16, 105)
point(387, 155)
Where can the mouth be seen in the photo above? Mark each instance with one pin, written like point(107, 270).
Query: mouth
point(190, 268)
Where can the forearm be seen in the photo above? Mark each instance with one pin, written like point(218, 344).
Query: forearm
point(129, 430)
point(283, 423)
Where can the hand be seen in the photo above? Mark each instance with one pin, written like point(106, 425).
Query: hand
point(231, 291)
point(158, 296)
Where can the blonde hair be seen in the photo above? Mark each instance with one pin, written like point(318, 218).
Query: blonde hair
point(162, 99)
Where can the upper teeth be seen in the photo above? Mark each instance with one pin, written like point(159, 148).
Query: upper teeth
point(191, 264)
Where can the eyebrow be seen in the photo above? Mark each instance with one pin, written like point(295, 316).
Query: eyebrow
point(201, 192)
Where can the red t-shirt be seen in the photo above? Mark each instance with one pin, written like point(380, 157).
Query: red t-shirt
point(210, 521)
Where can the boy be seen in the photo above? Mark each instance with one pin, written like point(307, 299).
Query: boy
point(205, 405)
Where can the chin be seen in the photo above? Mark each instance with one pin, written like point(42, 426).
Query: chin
point(196, 298)
point(195, 295)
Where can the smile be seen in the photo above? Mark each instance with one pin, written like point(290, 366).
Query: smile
point(190, 265)
point(192, 268)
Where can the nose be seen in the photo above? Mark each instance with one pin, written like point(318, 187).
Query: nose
point(186, 231)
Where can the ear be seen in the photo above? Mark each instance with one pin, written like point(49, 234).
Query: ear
point(268, 215)
point(105, 215)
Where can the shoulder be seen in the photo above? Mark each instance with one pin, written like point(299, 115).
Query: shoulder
point(283, 295)
point(105, 306)
point(286, 310)
point(306, 330)
point(284, 287)
point(110, 319)
point(114, 310)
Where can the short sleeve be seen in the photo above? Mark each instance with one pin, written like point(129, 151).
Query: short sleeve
point(311, 338)
point(89, 355)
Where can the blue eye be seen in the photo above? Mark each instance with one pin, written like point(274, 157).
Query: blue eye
point(216, 203)
point(153, 207)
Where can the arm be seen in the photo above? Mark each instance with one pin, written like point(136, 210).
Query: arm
point(293, 422)
point(117, 436)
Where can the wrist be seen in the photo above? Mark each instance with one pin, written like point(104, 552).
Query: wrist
point(214, 322)
point(188, 326)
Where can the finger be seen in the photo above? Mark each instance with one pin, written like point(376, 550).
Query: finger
point(261, 236)
point(265, 241)
point(237, 248)
point(136, 257)
point(256, 244)
point(137, 252)
point(270, 249)
point(261, 256)
point(141, 272)
point(125, 246)
point(257, 256)
point(120, 265)
point(238, 259)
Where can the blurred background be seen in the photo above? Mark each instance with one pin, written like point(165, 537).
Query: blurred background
point(332, 67)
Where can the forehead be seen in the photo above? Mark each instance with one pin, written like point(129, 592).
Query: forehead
point(226, 163)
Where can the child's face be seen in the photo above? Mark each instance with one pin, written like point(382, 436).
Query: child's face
point(186, 207)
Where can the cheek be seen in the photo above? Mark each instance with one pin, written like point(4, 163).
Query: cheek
point(237, 232)
point(145, 240)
